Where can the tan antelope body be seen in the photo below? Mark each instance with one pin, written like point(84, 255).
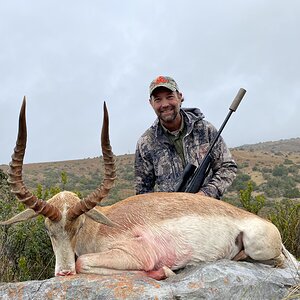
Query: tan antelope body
point(151, 234)
point(168, 230)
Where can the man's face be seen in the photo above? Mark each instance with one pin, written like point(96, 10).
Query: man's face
point(166, 104)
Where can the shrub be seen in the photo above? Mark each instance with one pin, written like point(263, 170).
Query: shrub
point(294, 169)
point(288, 162)
point(243, 165)
point(250, 203)
point(286, 216)
point(278, 186)
point(266, 170)
point(240, 182)
point(292, 193)
point(280, 170)
point(26, 252)
point(25, 248)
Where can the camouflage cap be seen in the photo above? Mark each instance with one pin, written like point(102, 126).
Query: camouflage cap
point(164, 81)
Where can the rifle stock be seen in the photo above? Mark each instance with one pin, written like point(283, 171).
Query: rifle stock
point(199, 176)
point(185, 178)
point(192, 178)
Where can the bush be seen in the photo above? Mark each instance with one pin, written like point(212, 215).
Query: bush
point(250, 203)
point(288, 162)
point(294, 169)
point(292, 193)
point(280, 170)
point(266, 170)
point(286, 216)
point(26, 252)
point(240, 182)
point(25, 248)
point(278, 186)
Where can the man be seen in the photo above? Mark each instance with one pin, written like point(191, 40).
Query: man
point(177, 137)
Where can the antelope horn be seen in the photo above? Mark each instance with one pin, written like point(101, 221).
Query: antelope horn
point(15, 174)
point(101, 192)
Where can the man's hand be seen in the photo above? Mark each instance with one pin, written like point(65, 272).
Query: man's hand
point(201, 193)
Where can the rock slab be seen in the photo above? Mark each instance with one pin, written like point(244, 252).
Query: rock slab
point(219, 280)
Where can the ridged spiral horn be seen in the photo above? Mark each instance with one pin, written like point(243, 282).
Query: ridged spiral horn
point(15, 174)
point(102, 191)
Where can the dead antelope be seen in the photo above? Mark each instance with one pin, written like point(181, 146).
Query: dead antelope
point(150, 234)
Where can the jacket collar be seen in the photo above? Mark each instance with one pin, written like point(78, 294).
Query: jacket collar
point(190, 116)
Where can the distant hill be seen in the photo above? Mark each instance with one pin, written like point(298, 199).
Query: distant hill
point(257, 162)
point(287, 145)
point(83, 175)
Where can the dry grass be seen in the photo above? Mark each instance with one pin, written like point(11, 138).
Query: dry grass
point(294, 293)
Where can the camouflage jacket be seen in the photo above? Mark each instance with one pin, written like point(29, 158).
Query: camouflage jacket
point(158, 167)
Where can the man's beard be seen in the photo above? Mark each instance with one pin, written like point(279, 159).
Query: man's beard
point(170, 116)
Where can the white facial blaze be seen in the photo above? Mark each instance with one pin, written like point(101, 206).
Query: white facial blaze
point(61, 243)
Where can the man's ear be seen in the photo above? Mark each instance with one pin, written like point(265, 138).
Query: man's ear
point(150, 101)
point(180, 96)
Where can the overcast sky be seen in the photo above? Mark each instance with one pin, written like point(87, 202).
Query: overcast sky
point(68, 57)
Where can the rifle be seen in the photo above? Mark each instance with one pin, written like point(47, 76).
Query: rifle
point(192, 178)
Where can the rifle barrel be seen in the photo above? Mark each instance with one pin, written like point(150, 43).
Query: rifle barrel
point(195, 182)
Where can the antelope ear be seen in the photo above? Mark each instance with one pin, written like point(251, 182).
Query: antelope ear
point(25, 215)
point(99, 217)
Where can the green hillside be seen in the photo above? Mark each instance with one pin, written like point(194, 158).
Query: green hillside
point(263, 163)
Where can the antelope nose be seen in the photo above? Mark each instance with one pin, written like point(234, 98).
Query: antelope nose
point(65, 273)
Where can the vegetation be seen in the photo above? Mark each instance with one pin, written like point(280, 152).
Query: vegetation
point(26, 252)
point(249, 202)
point(25, 248)
point(286, 216)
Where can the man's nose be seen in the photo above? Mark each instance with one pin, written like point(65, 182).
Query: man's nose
point(164, 102)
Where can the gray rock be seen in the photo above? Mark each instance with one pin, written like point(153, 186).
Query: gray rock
point(219, 280)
